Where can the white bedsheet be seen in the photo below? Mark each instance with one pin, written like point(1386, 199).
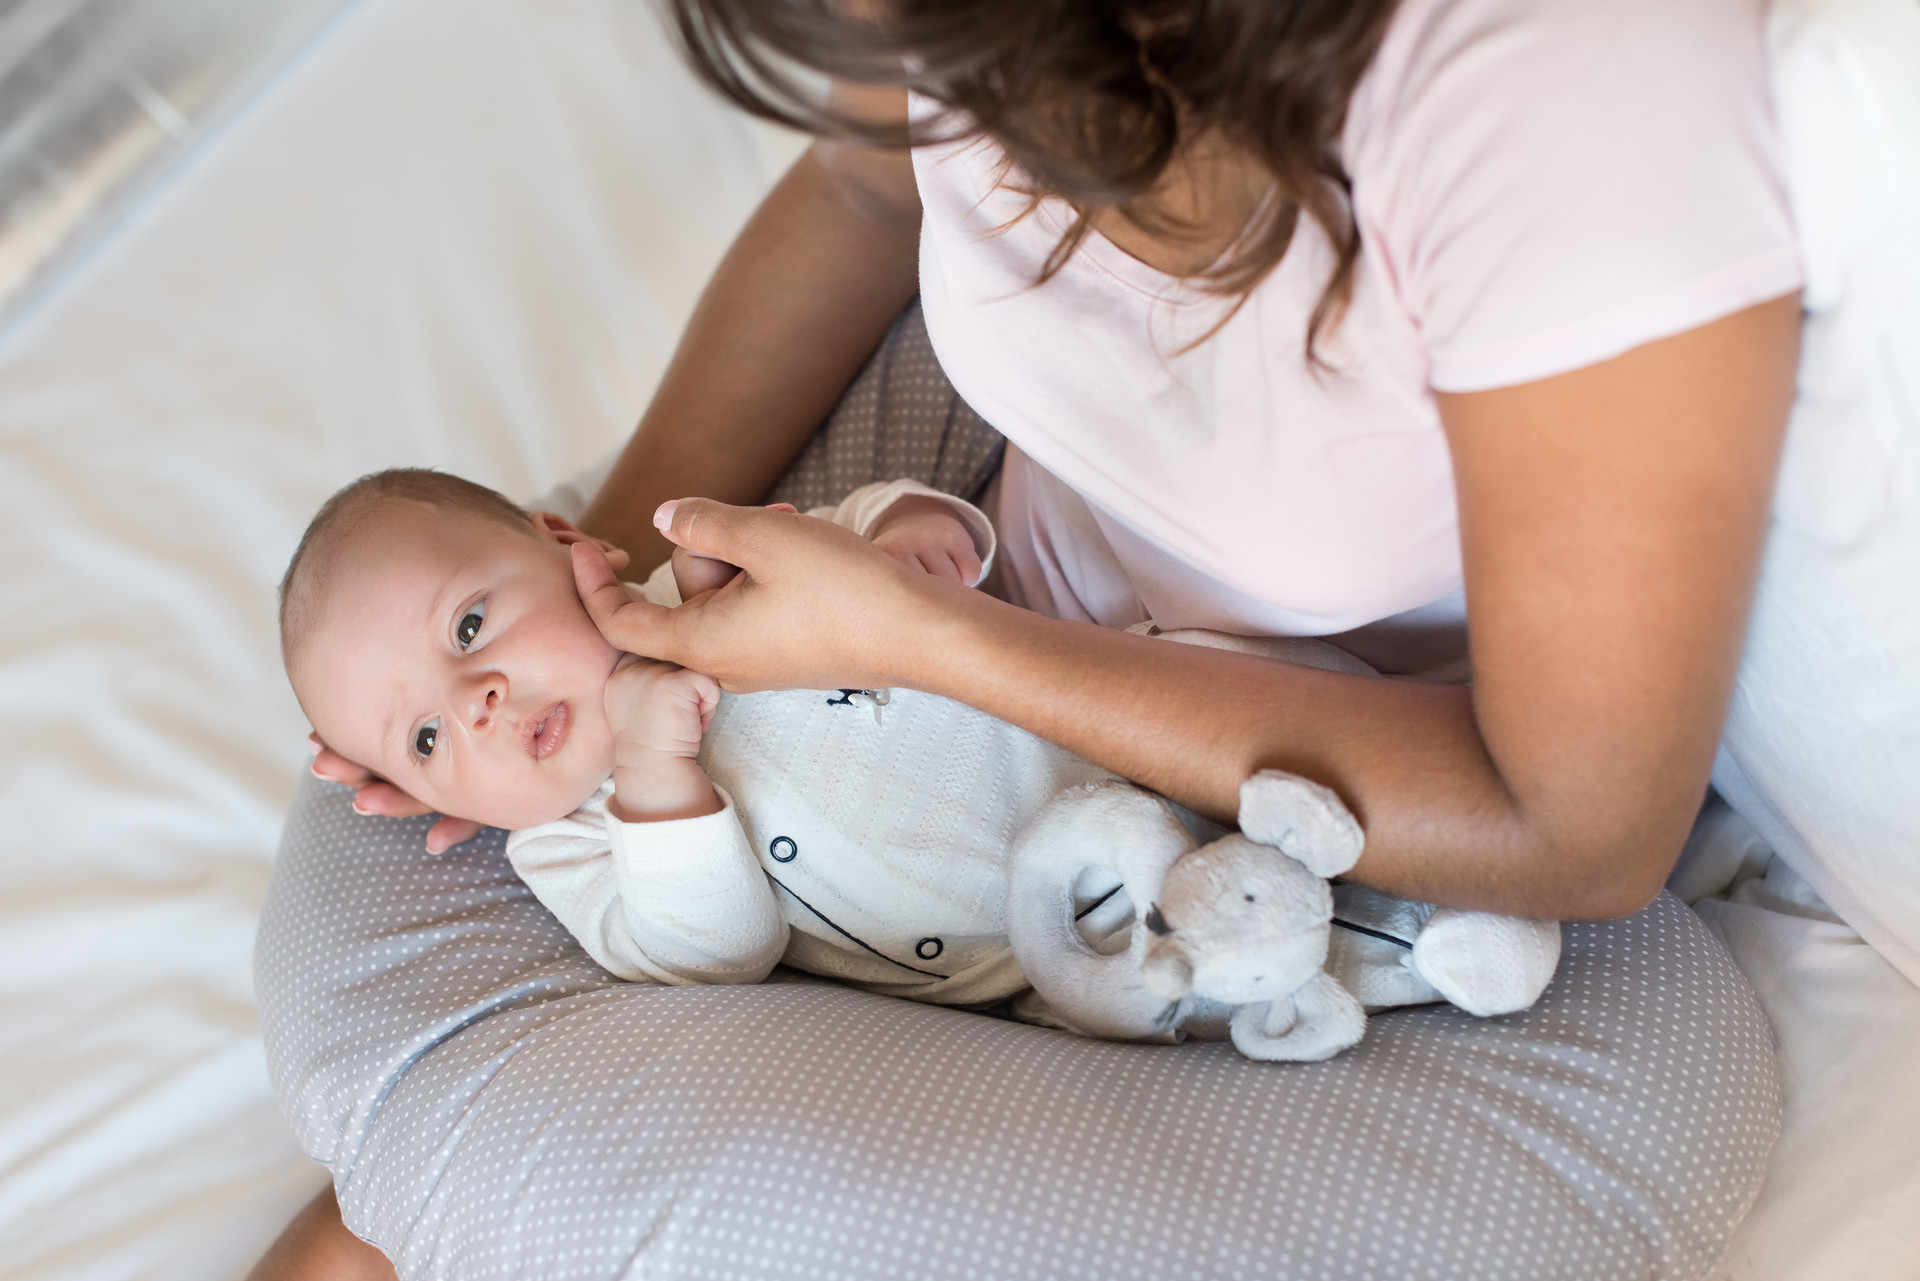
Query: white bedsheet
point(463, 232)
point(460, 232)
point(1842, 1200)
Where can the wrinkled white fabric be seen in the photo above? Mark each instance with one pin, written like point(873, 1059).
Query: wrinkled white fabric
point(446, 235)
point(1843, 1183)
point(1822, 747)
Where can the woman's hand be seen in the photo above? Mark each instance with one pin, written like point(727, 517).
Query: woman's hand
point(814, 606)
point(374, 795)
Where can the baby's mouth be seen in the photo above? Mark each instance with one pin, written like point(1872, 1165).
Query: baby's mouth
point(542, 737)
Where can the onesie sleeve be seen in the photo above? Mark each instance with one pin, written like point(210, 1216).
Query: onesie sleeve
point(680, 902)
point(1549, 183)
point(660, 588)
point(862, 510)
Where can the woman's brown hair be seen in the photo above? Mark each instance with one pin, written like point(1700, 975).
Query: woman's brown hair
point(1090, 99)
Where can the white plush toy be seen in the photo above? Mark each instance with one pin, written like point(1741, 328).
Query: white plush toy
point(1237, 935)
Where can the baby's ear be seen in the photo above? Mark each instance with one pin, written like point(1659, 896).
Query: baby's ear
point(558, 529)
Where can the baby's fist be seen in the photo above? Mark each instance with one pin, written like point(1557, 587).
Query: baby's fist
point(658, 708)
point(923, 533)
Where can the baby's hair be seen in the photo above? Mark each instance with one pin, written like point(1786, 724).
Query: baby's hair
point(307, 572)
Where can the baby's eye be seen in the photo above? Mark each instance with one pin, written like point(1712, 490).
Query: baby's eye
point(425, 738)
point(470, 621)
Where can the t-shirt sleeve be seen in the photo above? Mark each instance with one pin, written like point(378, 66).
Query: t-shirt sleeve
point(1549, 183)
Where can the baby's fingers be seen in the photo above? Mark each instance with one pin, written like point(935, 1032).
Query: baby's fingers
point(694, 574)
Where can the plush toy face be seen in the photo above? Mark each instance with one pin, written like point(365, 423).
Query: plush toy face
point(1238, 922)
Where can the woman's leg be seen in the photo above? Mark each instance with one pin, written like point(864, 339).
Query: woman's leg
point(317, 1247)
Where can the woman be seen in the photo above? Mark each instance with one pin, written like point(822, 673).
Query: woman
point(1329, 318)
point(1298, 315)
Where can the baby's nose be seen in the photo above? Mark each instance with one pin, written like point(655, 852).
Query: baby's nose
point(484, 695)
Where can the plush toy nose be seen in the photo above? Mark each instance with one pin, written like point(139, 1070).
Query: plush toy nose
point(1165, 970)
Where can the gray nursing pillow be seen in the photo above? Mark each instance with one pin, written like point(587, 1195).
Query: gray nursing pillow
point(494, 1105)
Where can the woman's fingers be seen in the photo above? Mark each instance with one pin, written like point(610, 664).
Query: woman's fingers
point(814, 606)
point(379, 797)
point(335, 768)
point(449, 832)
point(637, 626)
point(383, 798)
point(372, 795)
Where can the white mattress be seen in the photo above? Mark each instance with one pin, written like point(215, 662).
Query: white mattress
point(464, 233)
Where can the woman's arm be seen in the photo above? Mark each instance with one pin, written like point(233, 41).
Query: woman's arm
point(798, 304)
point(1611, 524)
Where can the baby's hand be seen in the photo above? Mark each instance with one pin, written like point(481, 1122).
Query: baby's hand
point(658, 713)
point(923, 533)
point(694, 574)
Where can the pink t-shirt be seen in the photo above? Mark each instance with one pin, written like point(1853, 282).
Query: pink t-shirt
point(1540, 185)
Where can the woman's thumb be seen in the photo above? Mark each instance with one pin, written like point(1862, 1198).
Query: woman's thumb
point(716, 530)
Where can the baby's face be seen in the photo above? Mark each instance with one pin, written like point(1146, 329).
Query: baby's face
point(453, 658)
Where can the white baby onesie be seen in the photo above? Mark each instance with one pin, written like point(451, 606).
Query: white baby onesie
point(865, 837)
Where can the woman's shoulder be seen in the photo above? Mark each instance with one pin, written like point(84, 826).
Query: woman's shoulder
point(1573, 60)
point(1553, 181)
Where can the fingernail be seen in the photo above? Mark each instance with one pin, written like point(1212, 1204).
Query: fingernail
point(313, 746)
point(663, 515)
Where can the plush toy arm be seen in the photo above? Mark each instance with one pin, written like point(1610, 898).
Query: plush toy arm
point(1487, 964)
point(1301, 818)
point(1318, 1021)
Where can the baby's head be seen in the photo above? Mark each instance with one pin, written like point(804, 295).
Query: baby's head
point(433, 635)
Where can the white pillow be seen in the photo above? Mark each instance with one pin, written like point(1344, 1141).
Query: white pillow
point(1822, 749)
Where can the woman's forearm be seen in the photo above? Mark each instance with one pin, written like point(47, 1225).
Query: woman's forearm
point(1193, 723)
point(818, 607)
point(1612, 519)
point(797, 305)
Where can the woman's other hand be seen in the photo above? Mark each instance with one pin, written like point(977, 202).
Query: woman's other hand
point(374, 795)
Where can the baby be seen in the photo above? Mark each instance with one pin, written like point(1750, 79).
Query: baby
point(433, 635)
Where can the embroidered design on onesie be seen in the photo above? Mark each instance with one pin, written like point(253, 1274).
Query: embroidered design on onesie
point(874, 698)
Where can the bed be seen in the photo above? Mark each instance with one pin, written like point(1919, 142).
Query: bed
point(465, 233)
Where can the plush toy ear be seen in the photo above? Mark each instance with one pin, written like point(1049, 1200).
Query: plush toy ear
point(1302, 819)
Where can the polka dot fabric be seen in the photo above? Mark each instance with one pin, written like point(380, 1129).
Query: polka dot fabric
point(493, 1105)
point(901, 417)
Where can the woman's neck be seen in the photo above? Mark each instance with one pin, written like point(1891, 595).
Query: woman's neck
point(1201, 205)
